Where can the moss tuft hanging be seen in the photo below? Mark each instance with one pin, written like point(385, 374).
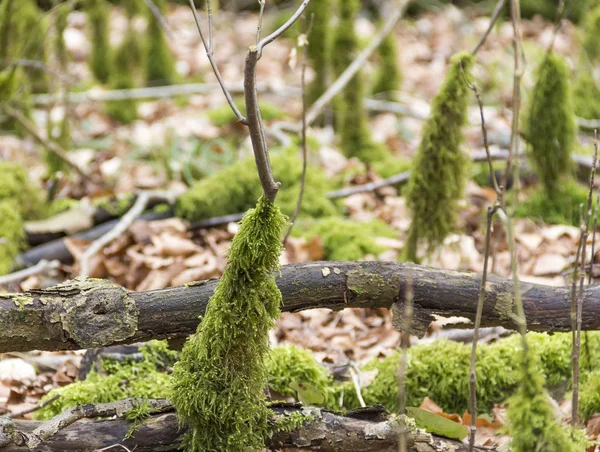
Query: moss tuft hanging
point(160, 63)
point(219, 384)
point(351, 118)
point(388, 76)
point(101, 59)
point(319, 46)
point(531, 417)
point(550, 127)
point(439, 170)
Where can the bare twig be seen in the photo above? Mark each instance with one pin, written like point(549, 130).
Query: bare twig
point(37, 407)
point(595, 216)
point(403, 365)
point(39, 65)
point(304, 144)
point(42, 266)
point(357, 386)
point(495, 15)
point(345, 77)
point(260, 20)
point(580, 299)
point(160, 19)
point(281, 30)
point(215, 68)
point(211, 26)
point(50, 145)
point(126, 220)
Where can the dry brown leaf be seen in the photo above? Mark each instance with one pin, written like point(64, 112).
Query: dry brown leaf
point(549, 264)
point(430, 405)
point(168, 244)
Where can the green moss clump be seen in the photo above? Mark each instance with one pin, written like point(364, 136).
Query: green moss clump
point(319, 46)
point(440, 370)
point(289, 365)
point(388, 77)
point(144, 379)
point(347, 240)
point(439, 171)
point(351, 118)
point(223, 115)
point(562, 208)
point(12, 235)
point(531, 418)
point(550, 127)
point(589, 400)
point(15, 185)
point(137, 415)
point(219, 383)
point(234, 190)
point(101, 59)
point(160, 62)
point(589, 43)
point(392, 165)
point(586, 94)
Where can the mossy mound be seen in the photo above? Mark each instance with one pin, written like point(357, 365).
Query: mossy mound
point(120, 379)
point(219, 383)
point(589, 400)
point(290, 367)
point(235, 189)
point(223, 115)
point(345, 239)
point(439, 171)
point(561, 208)
point(550, 127)
point(441, 371)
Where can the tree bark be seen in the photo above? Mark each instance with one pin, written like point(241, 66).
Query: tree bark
point(95, 313)
point(367, 429)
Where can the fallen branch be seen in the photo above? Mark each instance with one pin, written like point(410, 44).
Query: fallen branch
point(90, 313)
point(42, 266)
point(367, 429)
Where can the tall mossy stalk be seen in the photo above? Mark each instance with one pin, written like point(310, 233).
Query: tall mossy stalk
point(126, 63)
point(219, 384)
point(160, 62)
point(550, 127)
point(100, 60)
point(388, 76)
point(351, 118)
point(439, 171)
point(587, 87)
point(531, 416)
point(319, 46)
point(61, 131)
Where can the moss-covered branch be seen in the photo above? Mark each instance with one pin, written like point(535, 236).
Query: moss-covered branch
point(291, 426)
point(81, 314)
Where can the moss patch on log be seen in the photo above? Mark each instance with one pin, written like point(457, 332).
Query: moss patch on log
point(219, 383)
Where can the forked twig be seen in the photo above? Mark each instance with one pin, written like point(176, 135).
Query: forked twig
point(493, 19)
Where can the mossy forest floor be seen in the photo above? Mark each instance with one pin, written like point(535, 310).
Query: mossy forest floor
point(175, 142)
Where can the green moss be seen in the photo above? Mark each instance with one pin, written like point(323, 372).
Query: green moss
point(289, 366)
point(100, 60)
point(143, 379)
point(292, 421)
point(160, 62)
point(218, 386)
point(351, 119)
point(589, 399)
point(234, 190)
point(115, 205)
point(439, 170)
point(137, 415)
point(15, 185)
point(22, 301)
point(388, 76)
point(440, 370)
point(392, 165)
point(58, 206)
point(561, 208)
point(319, 46)
point(532, 423)
point(550, 127)
point(223, 115)
point(347, 240)
point(586, 94)
point(591, 28)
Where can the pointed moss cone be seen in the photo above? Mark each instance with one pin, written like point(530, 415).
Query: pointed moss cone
point(160, 62)
point(531, 416)
point(438, 177)
point(389, 76)
point(351, 118)
point(319, 46)
point(550, 127)
point(219, 384)
point(586, 93)
point(101, 59)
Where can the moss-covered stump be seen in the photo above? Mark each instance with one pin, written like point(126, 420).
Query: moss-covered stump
point(439, 169)
point(219, 383)
point(235, 189)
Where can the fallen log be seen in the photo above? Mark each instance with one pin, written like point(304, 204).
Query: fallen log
point(90, 313)
point(366, 429)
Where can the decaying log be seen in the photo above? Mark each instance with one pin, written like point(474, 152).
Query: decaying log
point(367, 429)
point(95, 313)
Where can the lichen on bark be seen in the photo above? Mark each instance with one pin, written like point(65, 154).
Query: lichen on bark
point(218, 386)
point(438, 178)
